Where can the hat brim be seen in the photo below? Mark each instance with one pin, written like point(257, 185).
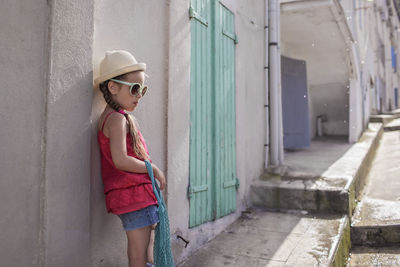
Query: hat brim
point(127, 69)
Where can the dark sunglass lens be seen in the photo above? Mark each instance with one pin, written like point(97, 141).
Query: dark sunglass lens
point(144, 90)
point(135, 89)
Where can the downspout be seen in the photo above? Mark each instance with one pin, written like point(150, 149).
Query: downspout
point(274, 84)
point(266, 77)
point(279, 75)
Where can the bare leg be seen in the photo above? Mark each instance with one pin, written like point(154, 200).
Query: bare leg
point(138, 242)
point(150, 256)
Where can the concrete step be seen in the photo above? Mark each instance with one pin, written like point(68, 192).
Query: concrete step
point(395, 112)
point(300, 194)
point(366, 256)
point(335, 191)
point(262, 238)
point(382, 118)
point(394, 125)
point(376, 220)
point(376, 235)
point(386, 117)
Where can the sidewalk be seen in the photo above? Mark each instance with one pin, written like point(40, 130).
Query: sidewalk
point(366, 256)
point(261, 238)
point(316, 159)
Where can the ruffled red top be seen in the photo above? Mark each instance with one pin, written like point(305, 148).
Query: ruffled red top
point(124, 191)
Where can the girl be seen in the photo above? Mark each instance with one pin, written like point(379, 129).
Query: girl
point(127, 186)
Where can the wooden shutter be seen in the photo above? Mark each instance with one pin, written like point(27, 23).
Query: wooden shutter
point(225, 97)
point(201, 143)
point(212, 181)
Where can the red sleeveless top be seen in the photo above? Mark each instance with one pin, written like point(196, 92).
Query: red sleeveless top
point(124, 191)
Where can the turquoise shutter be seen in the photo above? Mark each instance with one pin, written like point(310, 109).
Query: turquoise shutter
point(212, 181)
point(225, 93)
point(201, 143)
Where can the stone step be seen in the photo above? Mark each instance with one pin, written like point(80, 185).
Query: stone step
point(300, 194)
point(394, 125)
point(335, 191)
point(382, 118)
point(367, 256)
point(376, 222)
point(395, 112)
point(376, 235)
point(386, 117)
point(262, 238)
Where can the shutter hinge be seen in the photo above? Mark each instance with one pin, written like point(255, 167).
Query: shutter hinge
point(235, 182)
point(196, 189)
point(194, 15)
point(230, 35)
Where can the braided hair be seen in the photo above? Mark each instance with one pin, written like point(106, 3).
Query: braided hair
point(136, 142)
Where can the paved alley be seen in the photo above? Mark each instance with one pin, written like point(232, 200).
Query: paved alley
point(260, 238)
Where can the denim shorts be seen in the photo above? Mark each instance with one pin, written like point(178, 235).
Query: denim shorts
point(139, 218)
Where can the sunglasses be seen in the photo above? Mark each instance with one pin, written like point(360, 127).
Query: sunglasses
point(135, 89)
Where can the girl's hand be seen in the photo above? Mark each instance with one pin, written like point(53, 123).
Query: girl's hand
point(159, 175)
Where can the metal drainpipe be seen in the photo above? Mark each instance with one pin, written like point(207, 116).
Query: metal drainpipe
point(274, 81)
point(279, 74)
point(266, 76)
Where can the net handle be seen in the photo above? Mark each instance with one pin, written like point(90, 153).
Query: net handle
point(155, 186)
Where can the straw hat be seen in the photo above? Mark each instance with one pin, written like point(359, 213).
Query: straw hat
point(115, 63)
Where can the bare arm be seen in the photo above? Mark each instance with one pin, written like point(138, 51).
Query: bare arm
point(117, 130)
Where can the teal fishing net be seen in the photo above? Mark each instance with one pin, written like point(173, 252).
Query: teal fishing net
point(162, 245)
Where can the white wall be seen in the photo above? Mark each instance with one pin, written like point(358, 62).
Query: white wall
point(178, 126)
point(250, 93)
point(332, 100)
point(46, 73)
point(67, 133)
point(23, 65)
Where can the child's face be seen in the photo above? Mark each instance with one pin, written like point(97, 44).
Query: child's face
point(121, 92)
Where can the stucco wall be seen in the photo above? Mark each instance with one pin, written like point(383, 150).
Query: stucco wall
point(46, 64)
point(140, 27)
point(23, 65)
point(178, 124)
point(331, 100)
point(250, 93)
point(67, 158)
